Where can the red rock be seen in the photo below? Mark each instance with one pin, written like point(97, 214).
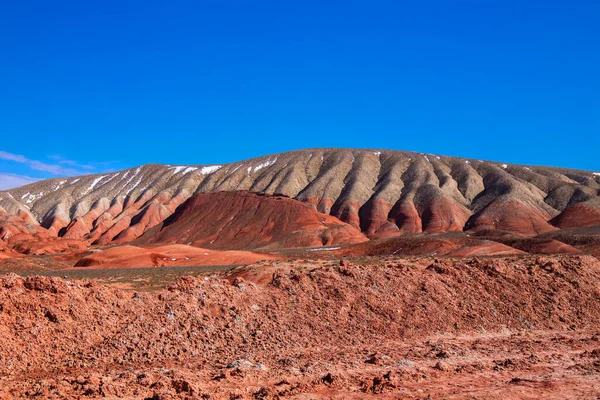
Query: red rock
point(56, 219)
point(347, 211)
point(105, 221)
point(167, 255)
point(79, 227)
point(244, 220)
point(485, 249)
point(579, 215)
point(405, 215)
point(51, 245)
point(325, 205)
point(11, 226)
point(443, 215)
point(405, 245)
point(152, 214)
point(553, 247)
point(387, 230)
point(259, 331)
point(510, 216)
point(374, 217)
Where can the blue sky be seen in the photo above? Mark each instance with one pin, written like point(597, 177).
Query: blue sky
point(96, 86)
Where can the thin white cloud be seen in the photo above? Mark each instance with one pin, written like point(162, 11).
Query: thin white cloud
point(55, 169)
point(12, 157)
point(72, 163)
point(11, 181)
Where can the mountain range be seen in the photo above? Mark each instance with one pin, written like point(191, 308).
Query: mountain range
point(304, 198)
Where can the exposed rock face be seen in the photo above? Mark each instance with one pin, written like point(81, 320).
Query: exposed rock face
point(12, 226)
point(383, 193)
point(244, 220)
point(23, 235)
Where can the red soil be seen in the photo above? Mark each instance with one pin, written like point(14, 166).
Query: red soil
point(51, 245)
point(25, 237)
point(511, 216)
point(457, 245)
point(4, 254)
point(244, 220)
point(552, 247)
point(485, 249)
point(503, 328)
point(443, 215)
point(167, 255)
point(578, 215)
point(13, 225)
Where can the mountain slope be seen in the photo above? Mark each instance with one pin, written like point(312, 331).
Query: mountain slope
point(244, 220)
point(383, 193)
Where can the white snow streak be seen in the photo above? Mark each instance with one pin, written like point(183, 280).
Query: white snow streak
point(32, 197)
point(137, 171)
point(186, 170)
point(93, 184)
point(260, 166)
point(209, 169)
point(59, 184)
point(177, 169)
point(111, 178)
point(189, 169)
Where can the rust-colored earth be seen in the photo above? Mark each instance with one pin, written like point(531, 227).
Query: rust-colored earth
point(167, 255)
point(386, 327)
point(372, 275)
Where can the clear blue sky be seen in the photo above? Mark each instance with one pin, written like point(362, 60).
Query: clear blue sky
point(95, 86)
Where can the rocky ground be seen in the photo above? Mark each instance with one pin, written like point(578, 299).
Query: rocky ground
point(516, 326)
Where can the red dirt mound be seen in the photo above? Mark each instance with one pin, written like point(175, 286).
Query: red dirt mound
point(578, 215)
point(403, 245)
point(167, 255)
point(5, 254)
point(540, 245)
point(52, 245)
point(453, 244)
point(244, 220)
point(26, 237)
point(485, 249)
point(553, 247)
point(510, 216)
point(13, 225)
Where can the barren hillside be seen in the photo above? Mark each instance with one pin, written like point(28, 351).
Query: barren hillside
point(380, 192)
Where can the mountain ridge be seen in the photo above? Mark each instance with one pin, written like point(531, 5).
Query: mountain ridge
point(380, 192)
